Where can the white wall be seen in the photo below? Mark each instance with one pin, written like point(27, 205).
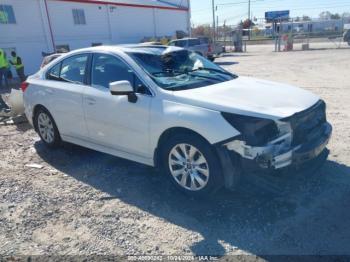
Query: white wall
point(65, 31)
point(107, 24)
point(169, 21)
point(130, 25)
point(27, 36)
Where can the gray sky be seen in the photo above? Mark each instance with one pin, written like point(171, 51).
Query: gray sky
point(235, 10)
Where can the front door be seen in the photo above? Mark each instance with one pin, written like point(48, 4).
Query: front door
point(113, 121)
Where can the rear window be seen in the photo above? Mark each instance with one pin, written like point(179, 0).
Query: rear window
point(193, 42)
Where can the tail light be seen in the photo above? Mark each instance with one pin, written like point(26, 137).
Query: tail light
point(24, 86)
point(210, 49)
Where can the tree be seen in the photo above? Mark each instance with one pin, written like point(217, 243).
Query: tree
point(325, 15)
point(246, 24)
point(202, 30)
point(335, 16)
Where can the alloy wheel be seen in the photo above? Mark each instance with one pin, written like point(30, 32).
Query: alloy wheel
point(189, 167)
point(46, 128)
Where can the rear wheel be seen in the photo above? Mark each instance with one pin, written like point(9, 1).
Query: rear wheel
point(46, 128)
point(192, 165)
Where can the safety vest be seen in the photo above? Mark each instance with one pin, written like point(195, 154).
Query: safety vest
point(3, 60)
point(16, 64)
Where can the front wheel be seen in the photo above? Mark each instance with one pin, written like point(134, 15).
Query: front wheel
point(192, 165)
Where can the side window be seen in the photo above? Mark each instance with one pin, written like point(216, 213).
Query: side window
point(172, 43)
point(107, 69)
point(194, 42)
point(73, 69)
point(54, 72)
point(181, 43)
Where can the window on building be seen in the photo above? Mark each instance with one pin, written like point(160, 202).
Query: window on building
point(7, 16)
point(79, 17)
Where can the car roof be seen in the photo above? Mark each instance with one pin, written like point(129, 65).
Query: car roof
point(130, 48)
point(186, 38)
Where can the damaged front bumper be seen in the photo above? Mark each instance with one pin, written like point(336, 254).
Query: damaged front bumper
point(279, 153)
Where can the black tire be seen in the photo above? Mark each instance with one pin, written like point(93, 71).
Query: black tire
point(215, 177)
point(56, 141)
point(212, 59)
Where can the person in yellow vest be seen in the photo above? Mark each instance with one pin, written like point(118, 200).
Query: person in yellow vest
point(3, 68)
point(17, 63)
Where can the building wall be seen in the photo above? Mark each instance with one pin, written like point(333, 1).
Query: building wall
point(105, 23)
point(27, 37)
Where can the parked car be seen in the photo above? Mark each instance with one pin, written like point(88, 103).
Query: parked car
point(151, 43)
point(171, 108)
point(195, 44)
point(217, 48)
point(49, 58)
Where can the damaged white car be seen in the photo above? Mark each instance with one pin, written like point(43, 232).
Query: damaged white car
point(171, 108)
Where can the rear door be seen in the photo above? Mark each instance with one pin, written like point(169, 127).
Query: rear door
point(63, 89)
point(113, 121)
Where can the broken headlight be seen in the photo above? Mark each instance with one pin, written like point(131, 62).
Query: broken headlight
point(254, 131)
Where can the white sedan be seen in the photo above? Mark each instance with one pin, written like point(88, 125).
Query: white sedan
point(171, 108)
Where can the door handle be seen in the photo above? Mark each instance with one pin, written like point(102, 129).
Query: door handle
point(91, 101)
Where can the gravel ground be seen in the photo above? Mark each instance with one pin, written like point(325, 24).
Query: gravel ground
point(82, 202)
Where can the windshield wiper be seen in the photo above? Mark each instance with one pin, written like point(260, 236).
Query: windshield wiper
point(212, 70)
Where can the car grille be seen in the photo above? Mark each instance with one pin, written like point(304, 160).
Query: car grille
point(308, 123)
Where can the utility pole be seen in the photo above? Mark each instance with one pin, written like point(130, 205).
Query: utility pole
point(213, 6)
point(217, 26)
point(249, 19)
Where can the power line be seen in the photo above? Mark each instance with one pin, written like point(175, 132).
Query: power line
point(238, 3)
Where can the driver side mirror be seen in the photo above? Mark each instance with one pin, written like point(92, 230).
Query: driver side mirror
point(122, 88)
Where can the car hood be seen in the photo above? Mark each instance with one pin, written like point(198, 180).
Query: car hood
point(250, 96)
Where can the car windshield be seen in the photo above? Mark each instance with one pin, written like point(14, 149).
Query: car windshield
point(177, 69)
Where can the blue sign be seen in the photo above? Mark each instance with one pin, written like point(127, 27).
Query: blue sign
point(276, 16)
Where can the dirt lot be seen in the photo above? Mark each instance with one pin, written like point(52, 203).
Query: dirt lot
point(82, 202)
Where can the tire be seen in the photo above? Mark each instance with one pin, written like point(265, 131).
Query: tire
point(212, 59)
point(198, 176)
point(46, 128)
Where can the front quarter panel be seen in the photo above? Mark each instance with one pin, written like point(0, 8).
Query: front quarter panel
point(207, 123)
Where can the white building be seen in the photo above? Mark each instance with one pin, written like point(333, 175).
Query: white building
point(31, 27)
